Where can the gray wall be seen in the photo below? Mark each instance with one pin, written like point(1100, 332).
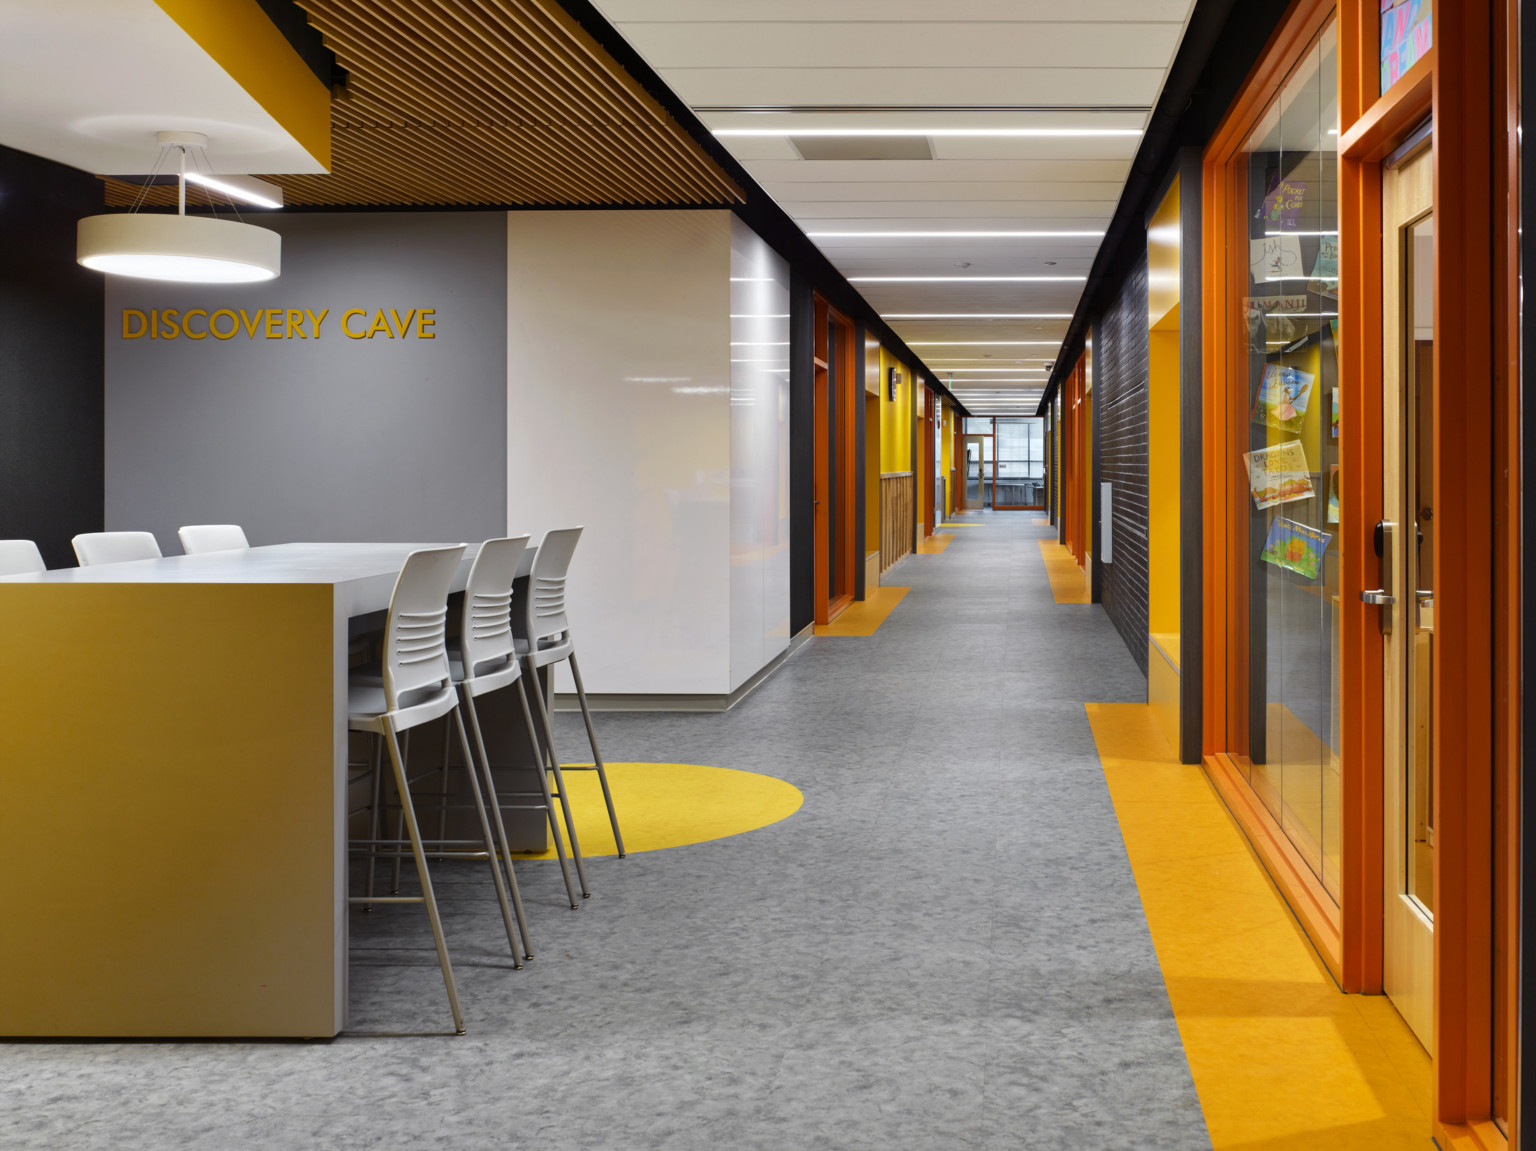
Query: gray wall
point(330, 438)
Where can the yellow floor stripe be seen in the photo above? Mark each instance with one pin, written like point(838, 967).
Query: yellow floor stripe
point(934, 545)
point(1042, 523)
point(962, 525)
point(663, 805)
point(1281, 1059)
point(1069, 583)
point(864, 618)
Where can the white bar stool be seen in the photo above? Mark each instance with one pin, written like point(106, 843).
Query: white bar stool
point(199, 538)
point(20, 557)
point(546, 641)
point(486, 661)
point(94, 548)
point(418, 688)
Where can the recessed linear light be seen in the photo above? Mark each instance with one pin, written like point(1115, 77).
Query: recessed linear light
point(966, 279)
point(1066, 133)
point(995, 371)
point(975, 315)
point(1096, 235)
point(246, 188)
point(953, 383)
point(982, 343)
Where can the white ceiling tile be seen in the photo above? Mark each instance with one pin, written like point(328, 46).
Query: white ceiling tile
point(1024, 172)
point(908, 86)
point(922, 212)
point(954, 11)
point(926, 45)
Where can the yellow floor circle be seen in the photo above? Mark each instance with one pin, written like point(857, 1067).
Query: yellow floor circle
point(672, 804)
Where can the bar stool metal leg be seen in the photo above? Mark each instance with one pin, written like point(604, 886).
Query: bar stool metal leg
point(565, 803)
point(394, 872)
point(549, 801)
point(597, 757)
point(490, 851)
point(375, 815)
point(428, 897)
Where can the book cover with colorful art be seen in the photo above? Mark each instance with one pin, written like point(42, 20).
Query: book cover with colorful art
point(1333, 494)
point(1282, 398)
point(1283, 204)
point(1295, 547)
point(1325, 268)
point(1333, 428)
point(1278, 475)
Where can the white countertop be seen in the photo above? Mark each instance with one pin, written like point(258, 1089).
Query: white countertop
point(363, 573)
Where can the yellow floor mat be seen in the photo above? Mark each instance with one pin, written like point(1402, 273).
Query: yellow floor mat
point(1069, 583)
point(1281, 1058)
point(862, 619)
point(664, 805)
point(934, 545)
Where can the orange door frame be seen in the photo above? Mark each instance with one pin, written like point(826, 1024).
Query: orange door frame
point(1474, 734)
point(835, 455)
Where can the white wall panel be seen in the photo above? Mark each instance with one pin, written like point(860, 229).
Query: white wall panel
point(619, 418)
point(759, 293)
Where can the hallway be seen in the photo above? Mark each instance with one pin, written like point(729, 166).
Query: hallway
point(944, 948)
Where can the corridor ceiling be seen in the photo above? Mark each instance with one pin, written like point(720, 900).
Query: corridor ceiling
point(958, 162)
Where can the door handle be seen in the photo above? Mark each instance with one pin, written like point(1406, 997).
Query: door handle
point(1379, 596)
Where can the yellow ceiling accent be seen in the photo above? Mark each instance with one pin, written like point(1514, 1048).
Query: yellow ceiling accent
point(241, 39)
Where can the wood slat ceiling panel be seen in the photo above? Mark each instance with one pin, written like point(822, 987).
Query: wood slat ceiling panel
point(487, 102)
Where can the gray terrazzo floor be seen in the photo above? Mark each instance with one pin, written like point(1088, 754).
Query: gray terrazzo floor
point(944, 948)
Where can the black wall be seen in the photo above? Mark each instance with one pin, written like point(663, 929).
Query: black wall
point(1120, 408)
point(51, 358)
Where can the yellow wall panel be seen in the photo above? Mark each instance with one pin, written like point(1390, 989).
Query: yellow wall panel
point(168, 799)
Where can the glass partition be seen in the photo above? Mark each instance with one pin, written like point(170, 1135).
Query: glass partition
point(1020, 478)
point(1290, 458)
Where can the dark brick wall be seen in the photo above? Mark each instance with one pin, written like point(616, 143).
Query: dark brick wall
point(1120, 403)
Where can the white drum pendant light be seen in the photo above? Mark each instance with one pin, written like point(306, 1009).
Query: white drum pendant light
point(188, 249)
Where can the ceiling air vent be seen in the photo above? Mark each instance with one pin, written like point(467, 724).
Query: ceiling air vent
point(862, 147)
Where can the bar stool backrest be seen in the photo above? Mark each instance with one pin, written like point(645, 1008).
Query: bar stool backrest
point(19, 557)
point(415, 650)
point(199, 538)
point(486, 636)
point(546, 586)
point(94, 548)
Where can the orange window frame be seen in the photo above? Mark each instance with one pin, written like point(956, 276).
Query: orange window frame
point(1476, 673)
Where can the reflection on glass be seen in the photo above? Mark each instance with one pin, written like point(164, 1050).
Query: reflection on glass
point(1419, 358)
point(1290, 314)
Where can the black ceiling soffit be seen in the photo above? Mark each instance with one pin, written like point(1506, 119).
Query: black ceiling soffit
point(1219, 49)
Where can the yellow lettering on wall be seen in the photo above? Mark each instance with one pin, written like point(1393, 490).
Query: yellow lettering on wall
point(172, 327)
point(424, 325)
point(234, 324)
point(380, 323)
point(295, 323)
point(154, 323)
point(274, 323)
point(186, 324)
point(404, 328)
point(346, 327)
point(315, 321)
point(250, 323)
point(143, 323)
